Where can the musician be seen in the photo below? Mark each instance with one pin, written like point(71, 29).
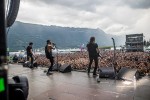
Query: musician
point(48, 51)
point(93, 51)
point(30, 53)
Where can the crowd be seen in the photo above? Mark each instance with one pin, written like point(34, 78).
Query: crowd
point(80, 60)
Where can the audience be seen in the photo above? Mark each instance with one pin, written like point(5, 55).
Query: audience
point(79, 60)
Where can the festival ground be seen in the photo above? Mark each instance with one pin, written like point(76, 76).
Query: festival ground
point(79, 86)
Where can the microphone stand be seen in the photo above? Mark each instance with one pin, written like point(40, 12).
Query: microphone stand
point(56, 56)
point(114, 57)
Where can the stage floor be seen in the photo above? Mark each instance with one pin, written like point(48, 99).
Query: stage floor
point(79, 86)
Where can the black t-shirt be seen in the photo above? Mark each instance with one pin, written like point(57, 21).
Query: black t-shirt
point(91, 47)
point(28, 51)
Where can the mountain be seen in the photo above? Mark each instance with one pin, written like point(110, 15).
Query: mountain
point(20, 34)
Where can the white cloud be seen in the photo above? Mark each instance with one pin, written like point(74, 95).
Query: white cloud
point(143, 24)
point(112, 16)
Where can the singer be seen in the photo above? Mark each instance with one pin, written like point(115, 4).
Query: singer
point(48, 52)
point(93, 51)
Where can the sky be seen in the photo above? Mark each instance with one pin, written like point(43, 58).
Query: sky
point(115, 17)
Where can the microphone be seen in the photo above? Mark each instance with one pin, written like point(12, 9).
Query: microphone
point(53, 43)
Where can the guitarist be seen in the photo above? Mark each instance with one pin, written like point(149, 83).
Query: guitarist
point(93, 51)
point(30, 54)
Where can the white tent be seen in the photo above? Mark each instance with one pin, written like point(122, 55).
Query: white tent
point(117, 48)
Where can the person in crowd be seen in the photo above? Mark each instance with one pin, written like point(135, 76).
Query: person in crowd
point(15, 59)
point(30, 54)
point(79, 60)
point(93, 51)
point(48, 52)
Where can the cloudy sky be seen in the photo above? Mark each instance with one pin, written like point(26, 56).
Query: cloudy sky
point(112, 16)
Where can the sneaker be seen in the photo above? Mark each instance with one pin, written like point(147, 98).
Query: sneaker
point(98, 80)
point(49, 73)
point(31, 67)
point(94, 74)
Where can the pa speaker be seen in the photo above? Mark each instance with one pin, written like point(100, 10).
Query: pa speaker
point(65, 68)
point(13, 11)
point(56, 67)
point(128, 74)
point(106, 72)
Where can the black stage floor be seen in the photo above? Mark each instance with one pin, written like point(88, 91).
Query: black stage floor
point(79, 86)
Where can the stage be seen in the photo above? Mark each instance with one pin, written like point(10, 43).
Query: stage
point(79, 86)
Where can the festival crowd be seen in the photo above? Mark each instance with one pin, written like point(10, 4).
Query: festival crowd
point(80, 60)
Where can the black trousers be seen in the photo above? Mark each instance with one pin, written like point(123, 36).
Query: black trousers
point(28, 57)
point(90, 63)
point(51, 59)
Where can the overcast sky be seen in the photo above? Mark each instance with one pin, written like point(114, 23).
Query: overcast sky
point(112, 16)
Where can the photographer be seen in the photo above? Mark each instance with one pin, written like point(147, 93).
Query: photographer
point(15, 59)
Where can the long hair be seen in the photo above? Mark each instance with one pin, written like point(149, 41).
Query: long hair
point(92, 39)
